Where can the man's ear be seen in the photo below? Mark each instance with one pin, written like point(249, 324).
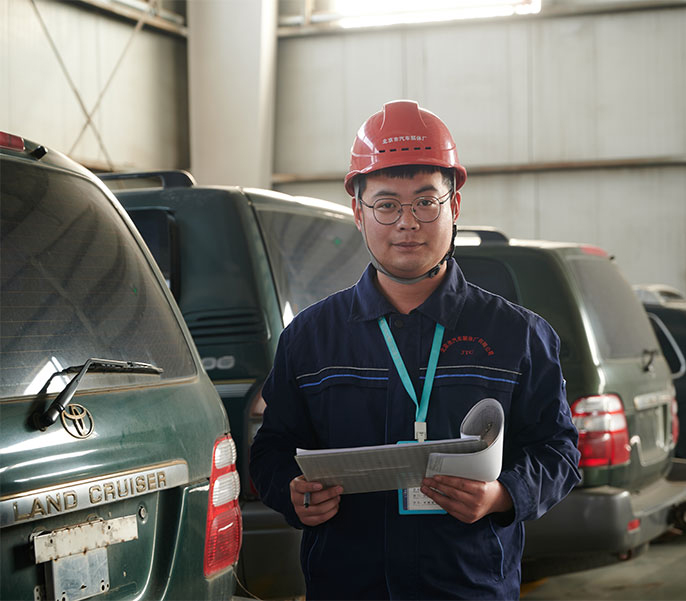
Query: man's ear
point(357, 212)
point(455, 206)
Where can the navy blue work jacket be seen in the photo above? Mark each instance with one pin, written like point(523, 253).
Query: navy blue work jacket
point(334, 384)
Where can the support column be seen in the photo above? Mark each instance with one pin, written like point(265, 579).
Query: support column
point(232, 74)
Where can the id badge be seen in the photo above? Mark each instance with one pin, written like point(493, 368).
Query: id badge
point(412, 501)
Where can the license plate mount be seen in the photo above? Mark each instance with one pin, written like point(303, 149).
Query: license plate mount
point(75, 557)
point(78, 576)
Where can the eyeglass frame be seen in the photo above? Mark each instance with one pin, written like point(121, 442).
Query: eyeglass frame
point(447, 196)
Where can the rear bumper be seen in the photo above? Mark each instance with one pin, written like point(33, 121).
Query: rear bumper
point(598, 519)
point(269, 565)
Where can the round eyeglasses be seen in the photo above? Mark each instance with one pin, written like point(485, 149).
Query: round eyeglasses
point(426, 209)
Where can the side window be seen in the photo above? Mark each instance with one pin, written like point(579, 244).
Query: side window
point(311, 256)
point(491, 275)
point(158, 228)
point(670, 330)
point(529, 279)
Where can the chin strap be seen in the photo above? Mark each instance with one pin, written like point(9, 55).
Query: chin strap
point(374, 261)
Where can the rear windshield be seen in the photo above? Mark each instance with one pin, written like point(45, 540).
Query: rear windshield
point(311, 256)
point(74, 286)
point(618, 320)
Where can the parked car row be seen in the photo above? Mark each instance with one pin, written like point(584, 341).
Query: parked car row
point(620, 390)
point(126, 351)
point(619, 385)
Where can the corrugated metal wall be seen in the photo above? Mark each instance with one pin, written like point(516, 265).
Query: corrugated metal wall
point(142, 118)
point(573, 128)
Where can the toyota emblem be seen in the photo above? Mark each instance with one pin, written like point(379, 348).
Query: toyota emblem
point(77, 420)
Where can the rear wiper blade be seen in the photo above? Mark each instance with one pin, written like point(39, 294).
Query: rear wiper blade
point(648, 357)
point(50, 416)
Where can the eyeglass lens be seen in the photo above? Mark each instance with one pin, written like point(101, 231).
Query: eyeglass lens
point(388, 210)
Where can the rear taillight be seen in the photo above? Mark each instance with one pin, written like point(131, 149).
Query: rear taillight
point(224, 529)
point(675, 422)
point(593, 250)
point(603, 431)
point(11, 142)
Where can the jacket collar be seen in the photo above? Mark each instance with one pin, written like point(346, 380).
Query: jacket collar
point(443, 306)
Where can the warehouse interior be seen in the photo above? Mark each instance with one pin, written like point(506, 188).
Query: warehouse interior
point(568, 114)
point(569, 117)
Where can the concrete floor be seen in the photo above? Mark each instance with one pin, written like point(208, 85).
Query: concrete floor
point(659, 574)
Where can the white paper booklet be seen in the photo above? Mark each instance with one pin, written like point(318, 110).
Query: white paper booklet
point(389, 467)
point(487, 420)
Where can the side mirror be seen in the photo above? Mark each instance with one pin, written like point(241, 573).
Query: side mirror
point(670, 348)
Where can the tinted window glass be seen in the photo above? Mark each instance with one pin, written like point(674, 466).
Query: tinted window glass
point(74, 285)
point(619, 323)
point(490, 275)
point(159, 230)
point(312, 257)
point(674, 320)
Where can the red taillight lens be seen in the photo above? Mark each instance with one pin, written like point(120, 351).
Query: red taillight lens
point(593, 250)
point(675, 421)
point(603, 431)
point(224, 529)
point(10, 141)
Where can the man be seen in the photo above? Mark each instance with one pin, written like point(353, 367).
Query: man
point(355, 370)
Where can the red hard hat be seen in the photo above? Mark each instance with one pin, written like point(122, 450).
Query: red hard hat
point(402, 133)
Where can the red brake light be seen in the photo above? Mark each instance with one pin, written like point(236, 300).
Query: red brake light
point(224, 530)
point(675, 422)
point(603, 431)
point(12, 142)
point(593, 250)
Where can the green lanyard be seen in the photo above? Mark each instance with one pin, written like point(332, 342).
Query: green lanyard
point(423, 406)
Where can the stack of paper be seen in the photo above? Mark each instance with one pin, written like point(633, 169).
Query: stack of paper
point(477, 454)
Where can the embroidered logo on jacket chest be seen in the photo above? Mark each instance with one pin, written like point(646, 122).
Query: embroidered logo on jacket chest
point(468, 345)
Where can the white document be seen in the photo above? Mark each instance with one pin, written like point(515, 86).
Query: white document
point(395, 466)
point(488, 419)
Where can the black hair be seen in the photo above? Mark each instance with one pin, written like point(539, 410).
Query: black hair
point(406, 172)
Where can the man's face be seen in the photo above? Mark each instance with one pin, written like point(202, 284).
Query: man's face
point(408, 248)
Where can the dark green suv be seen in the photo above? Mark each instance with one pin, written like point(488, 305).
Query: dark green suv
point(241, 263)
point(619, 388)
point(117, 473)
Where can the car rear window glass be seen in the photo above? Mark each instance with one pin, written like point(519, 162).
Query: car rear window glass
point(311, 256)
point(619, 323)
point(74, 286)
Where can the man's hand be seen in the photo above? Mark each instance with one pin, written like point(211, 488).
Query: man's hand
point(323, 503)
point(467, 500)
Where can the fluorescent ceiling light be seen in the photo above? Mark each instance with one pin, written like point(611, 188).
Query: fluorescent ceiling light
point(376, 13)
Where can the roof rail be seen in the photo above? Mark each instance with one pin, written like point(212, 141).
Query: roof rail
point(173, 178)
point(486, 233)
